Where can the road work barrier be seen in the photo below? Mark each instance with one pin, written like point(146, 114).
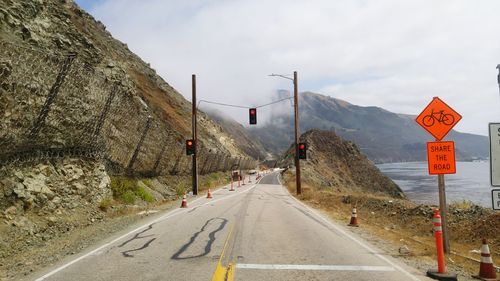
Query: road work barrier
point(184, 202)
point(354, 218)
point(486, 268)
point(440, 274)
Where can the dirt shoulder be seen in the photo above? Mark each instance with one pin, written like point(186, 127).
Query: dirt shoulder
point(404, 229)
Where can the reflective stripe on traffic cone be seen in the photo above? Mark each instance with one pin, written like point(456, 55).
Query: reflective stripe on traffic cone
point(184, 203)
point(486, 268)
point(209, 194)
point(354, 218)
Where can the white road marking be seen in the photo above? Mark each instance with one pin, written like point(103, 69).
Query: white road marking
point(411, 276)
point(162, 218)
point(315, 267)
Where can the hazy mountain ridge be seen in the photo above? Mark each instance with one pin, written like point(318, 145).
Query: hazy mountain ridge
point(382, 135)
point(239, 134)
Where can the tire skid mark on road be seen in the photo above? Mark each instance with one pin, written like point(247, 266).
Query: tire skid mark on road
point(160, 219)
point(126, 253)
point(136, 237)
point(208, 247)
point(194, 209)
point(309, 215)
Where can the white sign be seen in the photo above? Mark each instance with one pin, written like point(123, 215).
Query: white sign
point(495, 154)
point(495, 197)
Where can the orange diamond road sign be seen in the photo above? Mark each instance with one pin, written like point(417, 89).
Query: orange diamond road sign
point(441, 157)
point(438, 118)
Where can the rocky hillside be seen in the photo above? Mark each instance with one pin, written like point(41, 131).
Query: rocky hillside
point(243, 140)
point(382, 135)
point(85, 125)
point(67, 86)
point(338, 164)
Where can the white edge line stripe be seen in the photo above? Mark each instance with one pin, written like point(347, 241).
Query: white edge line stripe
point(355, 240)
point(315, 267)
point(164, 217)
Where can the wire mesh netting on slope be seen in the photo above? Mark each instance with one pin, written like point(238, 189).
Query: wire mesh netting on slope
point(57, 106)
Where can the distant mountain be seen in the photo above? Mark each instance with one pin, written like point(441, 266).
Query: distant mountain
point(242, 139)
point(382, 135)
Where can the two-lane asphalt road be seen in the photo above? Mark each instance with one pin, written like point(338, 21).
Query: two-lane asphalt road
point(275, 237)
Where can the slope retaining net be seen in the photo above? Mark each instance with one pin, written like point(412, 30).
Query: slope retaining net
point(56, 106)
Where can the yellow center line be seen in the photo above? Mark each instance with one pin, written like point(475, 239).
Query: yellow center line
point(224, 273)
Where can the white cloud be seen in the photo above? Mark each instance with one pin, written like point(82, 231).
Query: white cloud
point(388, 53)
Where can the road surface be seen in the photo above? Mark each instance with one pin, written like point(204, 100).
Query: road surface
point(274, 237)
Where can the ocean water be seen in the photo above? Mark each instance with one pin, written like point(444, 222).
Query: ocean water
point(471, 182)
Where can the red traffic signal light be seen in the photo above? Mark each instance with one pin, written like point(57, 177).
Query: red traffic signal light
point(253, 116)
point(190, 147)
point(302, 150)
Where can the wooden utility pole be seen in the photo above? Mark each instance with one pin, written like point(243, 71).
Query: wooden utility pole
point(195, 140)
point(296, 117)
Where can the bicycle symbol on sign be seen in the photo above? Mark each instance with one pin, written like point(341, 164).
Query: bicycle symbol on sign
point(439, 116)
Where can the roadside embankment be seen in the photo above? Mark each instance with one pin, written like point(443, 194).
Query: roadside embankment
point(404, 229)
point(60, 207)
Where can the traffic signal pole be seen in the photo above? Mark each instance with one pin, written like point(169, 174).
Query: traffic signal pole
point(296, 117)
point(195, 140)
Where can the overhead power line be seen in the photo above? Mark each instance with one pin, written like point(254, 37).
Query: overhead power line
point(223, 104)
point(274, 102)
point(242, 106)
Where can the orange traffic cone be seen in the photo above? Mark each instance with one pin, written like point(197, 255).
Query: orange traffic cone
point(184, 203)
point(354, 218)
point(486, 268)
point(209, 194)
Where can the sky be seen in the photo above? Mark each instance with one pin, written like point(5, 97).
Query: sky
point(392, 54)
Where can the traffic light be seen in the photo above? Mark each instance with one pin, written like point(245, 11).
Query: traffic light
point(302, 150)
point(190, 147)
point(253, 116)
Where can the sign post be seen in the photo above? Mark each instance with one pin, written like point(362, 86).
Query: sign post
point(438, 119)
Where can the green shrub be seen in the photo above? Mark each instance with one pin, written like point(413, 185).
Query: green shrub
point(181, 188)
point(208, 183)
point(148, 182)
point(127, 190)
point(120, 185)
point(144, 195)
point(128, 197)
point(105, 204)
